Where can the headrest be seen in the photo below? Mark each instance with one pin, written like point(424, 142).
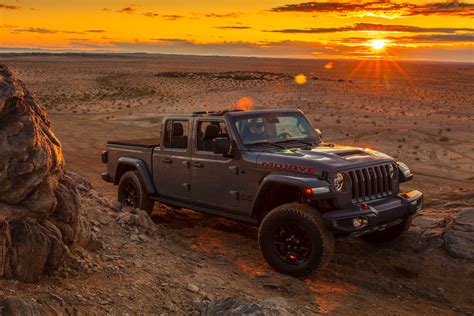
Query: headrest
point(177, 129)
point(212, 131)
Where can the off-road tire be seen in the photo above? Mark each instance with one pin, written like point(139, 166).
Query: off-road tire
point(133, 178)
point(388, 235)
point(322, 240)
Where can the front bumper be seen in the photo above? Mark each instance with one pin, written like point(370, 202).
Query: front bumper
point(374, 215)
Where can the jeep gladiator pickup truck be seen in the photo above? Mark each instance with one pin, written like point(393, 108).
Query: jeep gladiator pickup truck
point(268, 168)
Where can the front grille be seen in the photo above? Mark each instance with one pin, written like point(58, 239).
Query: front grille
point(371, 183)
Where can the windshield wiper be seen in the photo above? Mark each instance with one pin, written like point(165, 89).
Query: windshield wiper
point(265, 142)
point(297, 140)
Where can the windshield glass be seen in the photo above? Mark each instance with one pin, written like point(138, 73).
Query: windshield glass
point(274, 127)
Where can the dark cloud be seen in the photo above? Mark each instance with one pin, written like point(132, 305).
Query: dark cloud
point(419, 39)
point(232, 27)
point(39, 30)
point(435, 38)
point(225, 15)
point(382, 8)
point(376, 27)
point(151, 14)
point(443, 8)
point(172, 17)
point(42, 30)
point(9, 7)
point(131, 8)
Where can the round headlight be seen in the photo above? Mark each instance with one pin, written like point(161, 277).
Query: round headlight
point(338, 181)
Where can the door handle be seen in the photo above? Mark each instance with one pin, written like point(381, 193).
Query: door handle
point(166, 160)
point(198, 164)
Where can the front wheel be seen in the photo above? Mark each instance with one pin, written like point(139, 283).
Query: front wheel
point(388, 235)
point(132, 193)
point(294, 241)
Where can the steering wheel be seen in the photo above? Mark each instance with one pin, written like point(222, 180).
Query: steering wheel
point(284, 135)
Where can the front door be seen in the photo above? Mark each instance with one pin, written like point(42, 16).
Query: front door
point(171, 170)
point(214, 178)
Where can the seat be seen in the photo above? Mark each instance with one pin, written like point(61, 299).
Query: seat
point(211, 132)
point(179, 141)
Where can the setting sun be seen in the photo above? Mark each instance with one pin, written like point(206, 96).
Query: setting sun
point(378, 44)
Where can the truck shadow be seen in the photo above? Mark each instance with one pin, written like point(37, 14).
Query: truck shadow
point(187, 219)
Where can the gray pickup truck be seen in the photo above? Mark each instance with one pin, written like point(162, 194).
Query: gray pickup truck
point(268, 168)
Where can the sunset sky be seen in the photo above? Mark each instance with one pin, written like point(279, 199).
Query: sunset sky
point(403, 30)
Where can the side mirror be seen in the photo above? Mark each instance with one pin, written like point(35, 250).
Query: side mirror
point(221, 145)
point(320, 134)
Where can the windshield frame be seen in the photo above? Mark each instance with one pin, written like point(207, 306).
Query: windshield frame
point(261, 113)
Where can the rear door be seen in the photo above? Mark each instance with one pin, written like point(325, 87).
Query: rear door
point(171, 170)
point(214, 178)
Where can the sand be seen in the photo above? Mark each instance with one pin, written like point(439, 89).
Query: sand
point(419, 113)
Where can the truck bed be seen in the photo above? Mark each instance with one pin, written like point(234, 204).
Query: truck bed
point(143, 142)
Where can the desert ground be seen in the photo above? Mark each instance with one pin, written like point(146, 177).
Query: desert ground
point(420, 113)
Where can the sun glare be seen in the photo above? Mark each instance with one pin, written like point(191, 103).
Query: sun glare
point(378, 44)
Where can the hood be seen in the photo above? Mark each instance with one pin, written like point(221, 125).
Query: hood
point(322, 158)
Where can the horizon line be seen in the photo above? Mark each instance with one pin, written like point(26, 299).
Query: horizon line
point(37, 51)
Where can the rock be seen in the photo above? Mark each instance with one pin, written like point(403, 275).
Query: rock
point(137, 217)
point(40, 218)
point(459, 240)
point(464, 221)
point(459, 244)
point(47, 304)
point(237, 306)
point(427, 222)
point(192, 288)
point(138, 264)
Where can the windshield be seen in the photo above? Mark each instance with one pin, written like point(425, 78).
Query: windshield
point(274, 128)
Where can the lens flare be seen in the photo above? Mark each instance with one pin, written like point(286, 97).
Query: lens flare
point(244, 104)
point(329, 65)
point(300, 79)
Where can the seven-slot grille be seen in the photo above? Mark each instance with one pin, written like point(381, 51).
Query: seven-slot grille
point(370, 183)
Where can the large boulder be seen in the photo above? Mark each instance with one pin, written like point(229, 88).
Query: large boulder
point(460, 238)
point(40, 218)
point(46, 304)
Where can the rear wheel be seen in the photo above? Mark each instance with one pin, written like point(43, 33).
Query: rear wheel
point(132, 193)
point(388, 235)
point(294, 241)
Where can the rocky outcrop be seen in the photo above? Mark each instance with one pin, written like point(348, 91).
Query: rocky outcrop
point(460, 238)
point(40, 218)
point(47, 304)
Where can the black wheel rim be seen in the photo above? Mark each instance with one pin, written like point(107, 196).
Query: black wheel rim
point(292, 243)
point(130, 194)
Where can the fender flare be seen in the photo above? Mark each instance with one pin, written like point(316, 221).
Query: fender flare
point(295, 181)
point(142, 169)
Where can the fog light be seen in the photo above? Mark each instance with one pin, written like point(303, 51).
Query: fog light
point(419, 205)
point(358, 222)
